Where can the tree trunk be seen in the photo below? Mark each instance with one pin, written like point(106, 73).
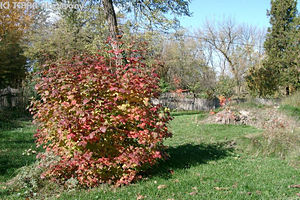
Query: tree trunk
point(287, 91)
point(111, 18)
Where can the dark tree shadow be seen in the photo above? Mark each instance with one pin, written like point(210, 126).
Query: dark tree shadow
point(10, 118)
point(11, 158)
point(9, 124)
point(8, 165)
point(188, 155)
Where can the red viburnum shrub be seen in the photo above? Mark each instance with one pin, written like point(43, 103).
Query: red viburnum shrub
point(97, 118)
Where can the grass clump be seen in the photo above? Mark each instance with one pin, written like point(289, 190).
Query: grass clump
point(291, 105)
point(292, 100)
point(28, 182)
point(291, 110)
point(281, 136)
point(250, 103)
point(277, 143)
point(187, 112)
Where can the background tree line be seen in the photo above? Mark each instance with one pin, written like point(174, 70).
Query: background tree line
point(221, 58)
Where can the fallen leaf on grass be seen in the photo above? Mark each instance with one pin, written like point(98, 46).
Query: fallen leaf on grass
point(235, 185)
point(161, 186)
point(193, 193)
point(139, 197)
point(258, 192)
point(221, 188)
point(294, 186)
point(298, 194)
point(176, 181)
point(212, 112)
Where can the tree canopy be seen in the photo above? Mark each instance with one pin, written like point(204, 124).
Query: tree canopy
point(148, 14)
point(14, 22)
point(280, 68)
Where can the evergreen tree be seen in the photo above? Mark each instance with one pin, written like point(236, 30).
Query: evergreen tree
point(282, 44)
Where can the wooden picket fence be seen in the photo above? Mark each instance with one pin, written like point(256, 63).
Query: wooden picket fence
point(186, 101)
point(11, 98)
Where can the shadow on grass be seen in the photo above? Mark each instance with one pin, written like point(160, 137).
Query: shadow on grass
point(9, 124)
point(188, 155)
point(11, 118)
point(8, 166)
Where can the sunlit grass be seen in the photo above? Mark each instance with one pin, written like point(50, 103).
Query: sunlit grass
point(15, 139)
point(206, 161)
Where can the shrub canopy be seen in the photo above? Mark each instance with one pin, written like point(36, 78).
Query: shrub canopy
point(98, 119)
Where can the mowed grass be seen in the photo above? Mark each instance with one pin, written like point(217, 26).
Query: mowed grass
point(15, 138)
point(206, 162)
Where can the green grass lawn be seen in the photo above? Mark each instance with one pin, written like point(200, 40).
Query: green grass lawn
point(206, 162)
point(15, 138)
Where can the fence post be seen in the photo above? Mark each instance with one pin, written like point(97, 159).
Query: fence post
point(9, 97)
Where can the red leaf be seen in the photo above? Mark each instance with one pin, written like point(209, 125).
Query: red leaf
point(103, 129)
point(85, 101)
point(82, 143)
point(70, 136)
point(73, 102)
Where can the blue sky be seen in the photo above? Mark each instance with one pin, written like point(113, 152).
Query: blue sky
point(252, 12)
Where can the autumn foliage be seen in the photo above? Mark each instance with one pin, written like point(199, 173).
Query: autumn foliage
point(15, 17)
point(97, 118)
point(223, 100)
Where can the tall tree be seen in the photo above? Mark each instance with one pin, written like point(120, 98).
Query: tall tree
point(236, 45)
point(281, 42)
point(65, 34)
point(14, 22)
point(152, 13)
point(13, 18)
point(111, 18)
point(185, 66)
point(148, 13)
